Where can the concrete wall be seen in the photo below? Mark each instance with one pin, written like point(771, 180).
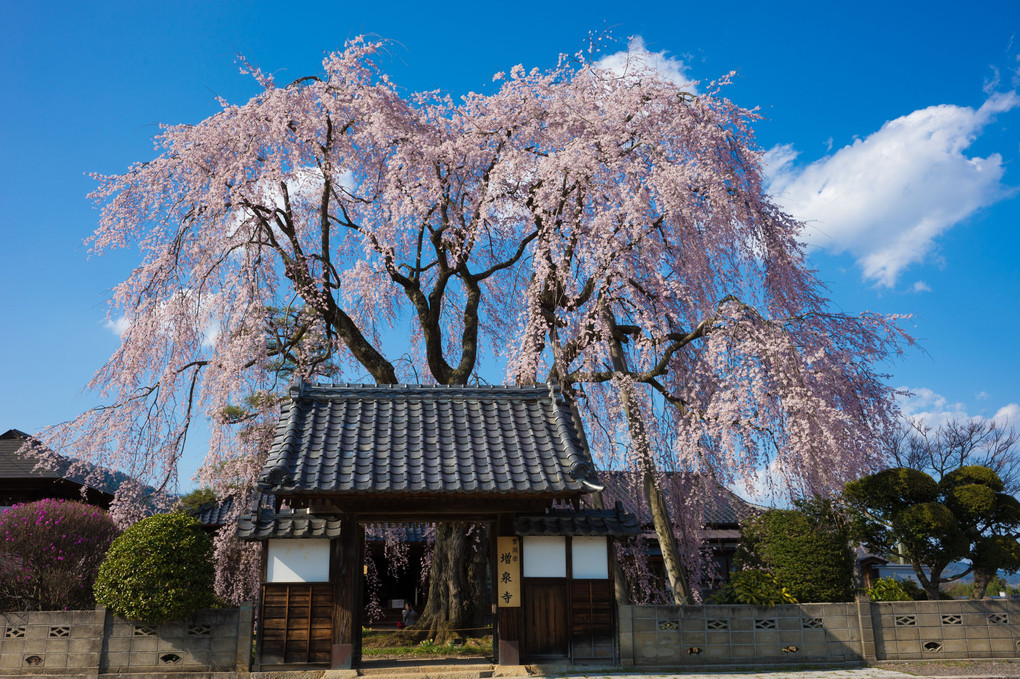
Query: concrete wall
point(93, 642)
point(705, 635)
point(909, 630)
point(813, 633)
point(51, 642)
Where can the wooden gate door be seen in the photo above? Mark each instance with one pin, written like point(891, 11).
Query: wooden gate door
point(546, 619)
point(591, 620)
point(297, 623)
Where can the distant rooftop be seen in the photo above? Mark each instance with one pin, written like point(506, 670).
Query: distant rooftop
point(721, 507)
point(17, 466)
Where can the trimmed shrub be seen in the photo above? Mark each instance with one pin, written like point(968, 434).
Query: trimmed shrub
point(753, 586)
point(49, 553)
point(160, 569)
point(807, 549)
point(889, 589)
point(193, 502)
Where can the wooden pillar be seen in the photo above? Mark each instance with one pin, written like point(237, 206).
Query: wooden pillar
point(347, 562)
point(260, 602)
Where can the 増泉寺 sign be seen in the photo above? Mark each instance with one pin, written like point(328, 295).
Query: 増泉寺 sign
point(508, 583)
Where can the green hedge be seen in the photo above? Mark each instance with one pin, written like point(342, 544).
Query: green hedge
point(160, 569)
point(807, 550)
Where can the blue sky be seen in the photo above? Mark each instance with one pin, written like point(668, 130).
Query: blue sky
point(893, 130)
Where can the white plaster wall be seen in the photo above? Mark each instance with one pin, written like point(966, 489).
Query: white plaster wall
point(545, 557)
point(589, 558)
point(299, 560)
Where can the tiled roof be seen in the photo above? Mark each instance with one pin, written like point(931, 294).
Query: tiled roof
point(426, 440)
point(297, 523)
point(287, 523)
point(16, 466)
point(582, 522)
point(214, 514)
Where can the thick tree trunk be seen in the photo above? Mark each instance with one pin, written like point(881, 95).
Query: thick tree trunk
point(981, 580)
point(456, 596)
point(667, 541)
point(930, 585)
point(679, 587)
point(479, 577)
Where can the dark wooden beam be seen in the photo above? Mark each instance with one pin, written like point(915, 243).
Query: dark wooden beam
point(346, 563)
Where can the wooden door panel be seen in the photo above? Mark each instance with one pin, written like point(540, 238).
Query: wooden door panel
point(297, 623)
point(546, 618)
point(591, 619)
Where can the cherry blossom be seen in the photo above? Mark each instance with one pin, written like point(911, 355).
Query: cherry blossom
point(609, 231)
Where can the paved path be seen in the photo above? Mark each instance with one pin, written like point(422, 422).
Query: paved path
point(856, 673)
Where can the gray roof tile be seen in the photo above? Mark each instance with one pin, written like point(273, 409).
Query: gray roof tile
point(404, 439)
point(287, 523)
point(214, 514)
point(592, 522)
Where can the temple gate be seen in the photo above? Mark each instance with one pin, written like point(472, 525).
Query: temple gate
point(510, 457)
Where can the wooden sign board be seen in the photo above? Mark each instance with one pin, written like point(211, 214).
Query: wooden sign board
point(508, 583)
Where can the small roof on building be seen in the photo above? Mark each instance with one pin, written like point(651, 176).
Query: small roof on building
point(589, 522)
point(214, 514)
point(413, 440)
point(304, 523)
point(287, 523)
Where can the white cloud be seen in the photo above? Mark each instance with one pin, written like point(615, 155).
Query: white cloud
point(760, 486)
point(931, 408)
point(208, 311)
point(886, 198)
point(118, 326)
point(934, 409)
point(637, 58)
point(1008, 414)
point(921, 286)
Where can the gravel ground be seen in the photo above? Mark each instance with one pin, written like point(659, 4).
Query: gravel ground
point(959, 668)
